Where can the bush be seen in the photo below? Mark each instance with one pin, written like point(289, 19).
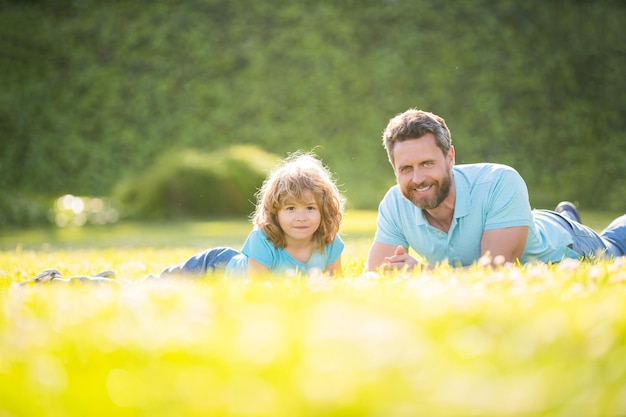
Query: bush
point(190, 183)
point(20, 210)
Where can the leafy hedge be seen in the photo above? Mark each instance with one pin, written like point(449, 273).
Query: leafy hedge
point(93, 92)
point(190, 183)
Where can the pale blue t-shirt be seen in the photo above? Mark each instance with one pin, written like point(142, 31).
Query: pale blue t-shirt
point(488, 196)
point(278, 260)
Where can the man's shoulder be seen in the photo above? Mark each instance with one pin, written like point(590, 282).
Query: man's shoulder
point(483, 167)
point(484, 171)
point(393, 192)
point(394, 196)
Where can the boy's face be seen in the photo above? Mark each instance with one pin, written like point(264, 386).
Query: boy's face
point(299, 220)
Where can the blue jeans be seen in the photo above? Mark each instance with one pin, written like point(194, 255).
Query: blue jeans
point(615, 235)
point(196, 266)
point(610, 243)
point(202, 263)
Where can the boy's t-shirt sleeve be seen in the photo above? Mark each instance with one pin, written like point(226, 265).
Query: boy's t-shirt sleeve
point(335, 250)
point(259, 248)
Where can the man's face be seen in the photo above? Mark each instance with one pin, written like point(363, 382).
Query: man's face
point(423, 172)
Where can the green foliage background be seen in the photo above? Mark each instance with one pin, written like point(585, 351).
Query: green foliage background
point(93, 91)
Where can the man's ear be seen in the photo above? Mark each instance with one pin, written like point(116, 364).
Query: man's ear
point(451, 155)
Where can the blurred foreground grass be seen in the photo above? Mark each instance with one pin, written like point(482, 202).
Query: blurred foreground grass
point(525, 341)
point(521, 341)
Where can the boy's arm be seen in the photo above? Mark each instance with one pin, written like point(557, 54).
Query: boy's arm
point(257, 269)
point(334, 268)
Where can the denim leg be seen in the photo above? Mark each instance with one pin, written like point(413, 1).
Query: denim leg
point(202, 263)
point(587, 242)
point(615, 236)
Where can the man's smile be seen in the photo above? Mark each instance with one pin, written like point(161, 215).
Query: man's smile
point(422, 189)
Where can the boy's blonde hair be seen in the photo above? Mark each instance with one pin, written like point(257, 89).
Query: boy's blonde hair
point(297, 174)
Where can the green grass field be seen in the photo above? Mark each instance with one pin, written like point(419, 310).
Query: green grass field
point(536, 340)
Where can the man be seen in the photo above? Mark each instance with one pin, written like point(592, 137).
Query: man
point(460, 213)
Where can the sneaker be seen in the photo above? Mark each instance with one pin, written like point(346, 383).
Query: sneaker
point(106, 274)
point(46, 276)
point(568, 210)
point(53, 275)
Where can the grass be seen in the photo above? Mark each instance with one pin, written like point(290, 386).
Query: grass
point(536, 340)
point(170, 234)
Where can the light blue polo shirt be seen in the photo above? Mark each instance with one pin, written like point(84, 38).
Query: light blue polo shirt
point(488, 196)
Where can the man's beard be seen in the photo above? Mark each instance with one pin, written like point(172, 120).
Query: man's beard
point(428, 202)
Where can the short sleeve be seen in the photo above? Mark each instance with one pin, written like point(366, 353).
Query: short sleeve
point(388, 227)
point(508, 204)
point(335, 250)
point(259, 248)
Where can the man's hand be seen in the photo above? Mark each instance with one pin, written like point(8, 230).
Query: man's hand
point(400, 260)
point(388, 257)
